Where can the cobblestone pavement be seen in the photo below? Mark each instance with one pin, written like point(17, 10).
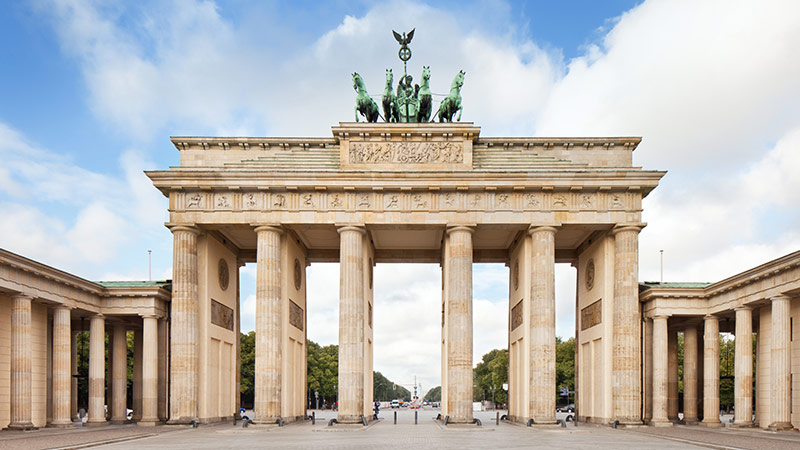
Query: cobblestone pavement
point(405, 435)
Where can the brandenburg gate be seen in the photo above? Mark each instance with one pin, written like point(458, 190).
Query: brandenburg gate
point(402, 192)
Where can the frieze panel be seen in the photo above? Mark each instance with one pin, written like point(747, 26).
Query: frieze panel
point(221, 315)
point(592, 315)
point(516, 316)
point(296, 318)
point(223, 201)
point(252, 200)
point(406, 153)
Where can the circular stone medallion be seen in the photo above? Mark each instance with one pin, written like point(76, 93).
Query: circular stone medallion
point(298, 274)
point(590, 275)
point(224, 274)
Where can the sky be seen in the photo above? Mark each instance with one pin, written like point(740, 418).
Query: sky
point(90, 92)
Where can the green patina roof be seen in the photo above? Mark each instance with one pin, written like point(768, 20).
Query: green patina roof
point(673, 285)
point(166, 284)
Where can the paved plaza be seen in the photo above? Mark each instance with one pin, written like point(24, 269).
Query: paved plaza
point(405, 435)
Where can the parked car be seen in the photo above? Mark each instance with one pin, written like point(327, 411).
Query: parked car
point(567, 409)
point(395, 403)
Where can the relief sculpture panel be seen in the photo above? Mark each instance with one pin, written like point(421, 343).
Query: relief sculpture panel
point(406, 153)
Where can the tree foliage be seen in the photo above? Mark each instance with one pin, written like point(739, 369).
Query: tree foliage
point(565, 367)
point(489, 376)
point(434, 395)
point(386, 390)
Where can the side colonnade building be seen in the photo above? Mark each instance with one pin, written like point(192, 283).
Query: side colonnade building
point(761, 307)
point(42, 310)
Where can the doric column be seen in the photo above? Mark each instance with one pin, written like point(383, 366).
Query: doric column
point(780, 368)
point(62, 383)
point(119, 375)
point(743, 368)
point(97, 370)
point(267, 407)
point(21, 363)
point(690, 374)
point(660, 364)
point(137, 375)
point(73, 370)
point(459, 324)
point(542, 325)
point(183, 389)
point(163, 369)
point(149, 414)
point(351, 323)
point(625, 368)
point(672, 375)
point(711, 372)
point(647, 415)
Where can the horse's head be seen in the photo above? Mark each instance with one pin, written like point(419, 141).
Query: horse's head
point(357, 81)
point(389, 76)
point(426, 73)
point(458, 81)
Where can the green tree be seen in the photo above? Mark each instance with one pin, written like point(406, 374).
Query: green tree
point(434, 395)
point(323, 371)
point(565, 366)
point(386, 390)
point(247, 380)
point(489, 376)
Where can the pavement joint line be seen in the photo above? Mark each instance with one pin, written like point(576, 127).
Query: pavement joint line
point(687, 441)
point(105, 442)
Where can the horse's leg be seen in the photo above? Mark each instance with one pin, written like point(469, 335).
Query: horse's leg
point(356, 111)
point(460, 109)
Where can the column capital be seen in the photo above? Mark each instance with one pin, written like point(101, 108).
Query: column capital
point(621, 227)
point(351, 227)
point(274, 227)
point(189, 227)
point(469, 228)
point(743, 308)
point(63, 306)
point(779, 297)
point(552, 229)
point(710, 317)
point(661, 316)
point(97, 316)
point(149, 316)
point(22, 296)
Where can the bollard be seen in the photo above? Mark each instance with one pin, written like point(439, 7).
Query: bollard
point(395, 417)
point(497, 418)
point(313, 417)
point(415, 417)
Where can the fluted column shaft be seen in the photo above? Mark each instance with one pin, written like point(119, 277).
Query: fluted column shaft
point(97, 370)
point(62, 381)
point(268, 325)
point(73, 370)
point(542, 323)
point(119, 375)
point(743, 367)
point(660, 365)
point(711, 372)
point(672, 375)
point(626, 379)
point(21, 363)
point(351, 324)
point(137, 375)
point(149, 414)
point(459, 324)
point(690, 374)
point(184, 334)
point(781, 369)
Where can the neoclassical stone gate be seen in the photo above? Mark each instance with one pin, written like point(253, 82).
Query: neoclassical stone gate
point(400, 193)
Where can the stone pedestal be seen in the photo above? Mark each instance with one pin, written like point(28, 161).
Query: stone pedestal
point(542, 325)
point(119, 375)
point(97, 371)
point(351, 324)
point(780, 369)
point(184, 333)
point(458, 263)
point(149, 414)
point(62, 381)
point(690, 375)
point(267, 407)
point(711, 372)
point(626, 380)
point(21, 363)
point(743, 368)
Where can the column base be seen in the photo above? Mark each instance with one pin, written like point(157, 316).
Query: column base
point(662, 423)
point(781, 426)
point(182, 421)
point(62, 424)
point(711, 424)
point(742, 425)
point(266, 421)
point(148, 422)
point(26, 426)
point(96, 422)
point(119, 421)
point(691, 420)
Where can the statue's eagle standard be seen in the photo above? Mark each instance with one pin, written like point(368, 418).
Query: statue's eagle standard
point(405, 39)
